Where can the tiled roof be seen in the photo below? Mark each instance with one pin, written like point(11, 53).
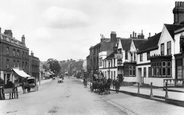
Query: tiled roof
point(171, 28)
point(126, 43)
point(105, 46)
point(150, 44)
point(139, 42)
point(111, 56)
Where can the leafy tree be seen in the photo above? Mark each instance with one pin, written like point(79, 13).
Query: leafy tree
point(54, 66)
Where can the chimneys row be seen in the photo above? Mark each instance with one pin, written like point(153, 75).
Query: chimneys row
point(10, 34)
point(139, 36)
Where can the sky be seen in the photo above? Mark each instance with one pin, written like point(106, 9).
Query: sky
point(66, 29)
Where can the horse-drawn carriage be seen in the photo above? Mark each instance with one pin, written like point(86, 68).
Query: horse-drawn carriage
point(100, 84)
point(29, 84)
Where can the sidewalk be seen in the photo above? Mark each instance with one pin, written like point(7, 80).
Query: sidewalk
point(174, 95)
point(42, 82)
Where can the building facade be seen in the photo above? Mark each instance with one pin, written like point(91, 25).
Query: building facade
point(34, 66)
point(13, 53)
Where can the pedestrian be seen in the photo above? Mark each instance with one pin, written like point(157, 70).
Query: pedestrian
point(113, 83)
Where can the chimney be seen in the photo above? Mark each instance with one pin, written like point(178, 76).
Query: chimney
point(32, 54)
point(133, 34)
point(0, 29)
point(149, 34)
point(113, 36)
point(23, 40)
point(9, 33)
point(178, 12)
point(130, 35)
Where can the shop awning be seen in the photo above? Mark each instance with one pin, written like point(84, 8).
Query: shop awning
point(21, 72)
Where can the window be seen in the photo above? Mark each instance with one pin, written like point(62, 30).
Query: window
point(100, 62)
point(134, 72)
point(18, 53)
point(22, 65)
point(141, 57)
point(7, 63)
point(148, 55)
point(14, 65)
point(13, 52)
point(130, 72)
point(7, 51)
point(144, 71)
point(126, 54)
point(149, 72)
point(162, 49)
point(22, 53)
point(169, 48)
point(18, 65)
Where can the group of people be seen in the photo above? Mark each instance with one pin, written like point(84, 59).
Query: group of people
point(100, 84)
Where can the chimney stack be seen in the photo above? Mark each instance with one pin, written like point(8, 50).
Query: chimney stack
point(149, 34)
point(113, 36)
point(32, 54)
point(9, 33)
point(23, 40)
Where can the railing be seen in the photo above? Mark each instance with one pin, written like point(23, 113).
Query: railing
point(173, 82)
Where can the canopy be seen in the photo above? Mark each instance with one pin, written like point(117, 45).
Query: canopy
point(21, 72)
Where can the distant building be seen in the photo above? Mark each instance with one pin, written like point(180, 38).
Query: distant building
point(34, 66)
point(106, 44)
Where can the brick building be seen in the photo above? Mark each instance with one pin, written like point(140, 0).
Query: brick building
point(13, 53)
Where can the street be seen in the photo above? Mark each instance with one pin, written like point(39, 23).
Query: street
point(72, 98)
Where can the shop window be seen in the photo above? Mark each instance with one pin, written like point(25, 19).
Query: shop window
point(144, 71)
point(169, 71)
point(179, 72)
point(149, 72)
point(130, 70)
point(164, 71)
point(134, 71)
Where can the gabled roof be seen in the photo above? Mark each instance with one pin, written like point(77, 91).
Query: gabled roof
point(111, 56)
point(126, 43)
point(171, 28)
point(139, 42)
point(150, 44)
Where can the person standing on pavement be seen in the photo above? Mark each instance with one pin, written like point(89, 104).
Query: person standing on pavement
point(117, 85)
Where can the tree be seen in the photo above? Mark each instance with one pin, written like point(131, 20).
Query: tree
point(54, 66)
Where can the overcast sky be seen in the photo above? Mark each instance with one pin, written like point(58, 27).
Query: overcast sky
point(66, 29)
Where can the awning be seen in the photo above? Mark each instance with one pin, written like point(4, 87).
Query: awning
point(21, 72)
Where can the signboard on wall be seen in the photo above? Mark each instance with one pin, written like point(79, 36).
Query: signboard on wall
point(118, 56)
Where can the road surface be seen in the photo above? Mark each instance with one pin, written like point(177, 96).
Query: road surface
point(71, 98)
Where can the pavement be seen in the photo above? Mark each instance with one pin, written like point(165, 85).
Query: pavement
point(174, 95)
point(41, 83)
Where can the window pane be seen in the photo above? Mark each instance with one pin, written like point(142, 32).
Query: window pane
point(169, 71)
